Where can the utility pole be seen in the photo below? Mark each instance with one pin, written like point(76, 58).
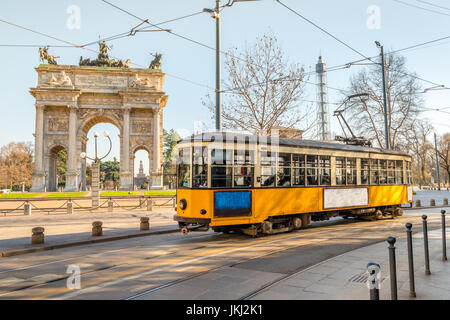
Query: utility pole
point(218, 70)
point(437, 163)
point(419, 171)
point(383, 67)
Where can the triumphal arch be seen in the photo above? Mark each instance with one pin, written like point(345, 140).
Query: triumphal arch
point(70, 100)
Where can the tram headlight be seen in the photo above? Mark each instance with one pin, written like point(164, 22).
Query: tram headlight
point(182, 204)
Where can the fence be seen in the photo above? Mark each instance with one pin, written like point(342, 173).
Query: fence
point(70, 205)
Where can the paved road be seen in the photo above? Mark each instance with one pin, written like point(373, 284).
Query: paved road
point(197, 266)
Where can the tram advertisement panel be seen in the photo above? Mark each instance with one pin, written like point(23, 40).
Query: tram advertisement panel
point(232, 203)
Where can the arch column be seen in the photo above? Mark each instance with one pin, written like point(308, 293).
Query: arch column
point(38, 180)
point(72, 156)
point(126, 178)
point(157, 178)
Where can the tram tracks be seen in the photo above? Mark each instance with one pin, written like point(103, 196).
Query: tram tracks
point(270, 284)
point(237, 243)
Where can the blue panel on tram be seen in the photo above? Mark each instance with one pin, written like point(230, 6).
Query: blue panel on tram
point(232, 204)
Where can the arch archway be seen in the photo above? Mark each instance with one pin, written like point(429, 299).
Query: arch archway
point(57, 165)
point(142, 168)
point(83, 96)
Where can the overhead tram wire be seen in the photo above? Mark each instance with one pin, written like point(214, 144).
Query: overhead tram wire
point(238, 58)
point(422, 8)
point(433, 4)
point(97, 52)
point(110, 38)
point(179, 35)
point(127, 34)
point(345, 44)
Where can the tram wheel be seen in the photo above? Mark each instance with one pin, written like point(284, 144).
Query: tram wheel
point(398, 212)
point(297, 223)
point(378, 215)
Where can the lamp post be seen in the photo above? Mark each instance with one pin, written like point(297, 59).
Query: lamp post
point(96, 169)
point(383, 67)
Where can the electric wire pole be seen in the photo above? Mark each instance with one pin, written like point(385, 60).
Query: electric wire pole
point(218, 70)
point(437, 163)
point(383, 67)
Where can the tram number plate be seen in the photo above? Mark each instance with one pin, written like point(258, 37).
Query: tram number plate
point(232, 203)
point(345, 198)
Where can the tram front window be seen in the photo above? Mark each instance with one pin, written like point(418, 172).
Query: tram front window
point(221, 168)
point(200, 167)
point(184, 168)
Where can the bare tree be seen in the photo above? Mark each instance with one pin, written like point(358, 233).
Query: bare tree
point(16, 166)
point(420, 146)
point(263, 89)
point(443, 148)
point(403, 100)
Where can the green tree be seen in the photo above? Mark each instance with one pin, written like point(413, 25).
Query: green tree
point(110, 170)
point(171, 139)
point(61, 162)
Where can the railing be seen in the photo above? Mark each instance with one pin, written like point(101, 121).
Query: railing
point(69, 205)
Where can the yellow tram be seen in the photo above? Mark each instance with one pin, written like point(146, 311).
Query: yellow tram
point(258, 184)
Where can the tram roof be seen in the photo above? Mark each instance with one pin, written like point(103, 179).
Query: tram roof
point(249, 138)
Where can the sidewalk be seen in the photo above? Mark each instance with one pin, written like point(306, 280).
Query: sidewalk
point(344, 277)
point(62, 230)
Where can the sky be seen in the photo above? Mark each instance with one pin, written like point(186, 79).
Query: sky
point(190, 68)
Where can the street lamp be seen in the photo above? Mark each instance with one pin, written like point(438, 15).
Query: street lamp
point(96, 168)
point(383, 66)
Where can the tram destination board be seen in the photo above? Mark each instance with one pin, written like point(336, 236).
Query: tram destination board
point(232, 203)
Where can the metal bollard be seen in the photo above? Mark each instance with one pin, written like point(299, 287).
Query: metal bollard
point(70, 207)
point(445, 202)
point(97, 229)
point(444, 237)
point(392, 267)
point(37, 236)
point(432, 203)
point(141, 202)
point(374, 280)
point(149, 204)
point(425, 244)
point(174, 203)
point(27, 209)
point(110, 205)
point(412, 289)
point(145, 225)
point(418, 203)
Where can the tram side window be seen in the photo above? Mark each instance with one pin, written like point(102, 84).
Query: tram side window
point(365, 171)
point(200, 167)
point(390, 172)
point(299, 164)
point(408, 172)
point(243, 168)
point(312, 171)
point(383, 171)
point(284, 170)
point(268, 169)
point(374, 172)
point(351, 171)
point(221, 166)
point(325, 171)
point(184, 168)
point(399, 172)
point(340, 171)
